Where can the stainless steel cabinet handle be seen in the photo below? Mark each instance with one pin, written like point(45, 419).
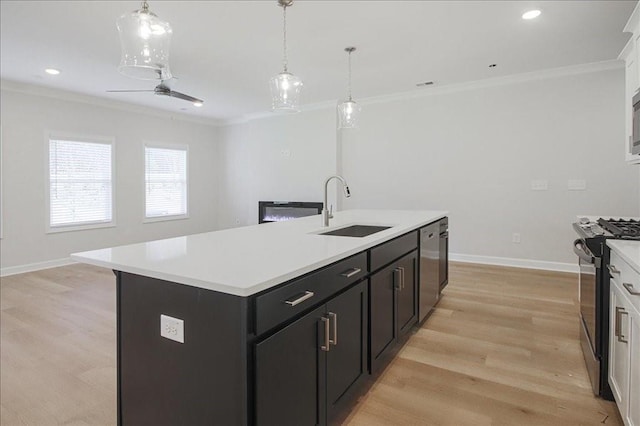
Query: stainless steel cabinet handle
point(325, 347)
point(621, 337)
point(613, 270)
point(307, 295)
point(616, 324)
point(334, 317)
point(397, 279)
point(350, 273)
point(629, 288)
point(401, 277)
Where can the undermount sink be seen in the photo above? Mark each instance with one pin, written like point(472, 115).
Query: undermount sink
point(356, 231)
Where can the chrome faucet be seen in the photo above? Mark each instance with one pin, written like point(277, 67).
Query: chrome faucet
point(328, 214)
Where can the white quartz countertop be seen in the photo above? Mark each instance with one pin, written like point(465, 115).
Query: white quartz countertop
point(628, 250)
point(244, 261)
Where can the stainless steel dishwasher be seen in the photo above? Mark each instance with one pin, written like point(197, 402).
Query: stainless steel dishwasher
point(429, 290)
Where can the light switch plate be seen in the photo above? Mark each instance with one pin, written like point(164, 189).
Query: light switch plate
point(577, 185)
point(539, 185)
point(172, 328)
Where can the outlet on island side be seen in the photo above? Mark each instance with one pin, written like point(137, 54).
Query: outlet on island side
point(515, 238)
point(172, 328)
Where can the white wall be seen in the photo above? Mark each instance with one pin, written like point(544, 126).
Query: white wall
point(283, 158)
point(25, 120)
point(472, 152)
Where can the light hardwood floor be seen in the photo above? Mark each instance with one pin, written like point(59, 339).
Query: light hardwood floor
point(501, 348)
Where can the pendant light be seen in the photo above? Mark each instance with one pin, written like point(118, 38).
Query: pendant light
point(144, 39)
point(286, 88)
point(349, 110)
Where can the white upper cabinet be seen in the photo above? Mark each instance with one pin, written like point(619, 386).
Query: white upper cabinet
point(631, 56)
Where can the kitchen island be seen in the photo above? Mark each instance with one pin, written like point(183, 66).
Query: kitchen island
point(265, 324)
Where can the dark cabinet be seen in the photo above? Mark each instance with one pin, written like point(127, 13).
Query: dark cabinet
point(305, 371)
point(393, 308)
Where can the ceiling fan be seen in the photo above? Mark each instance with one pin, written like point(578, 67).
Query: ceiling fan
point(163, 90)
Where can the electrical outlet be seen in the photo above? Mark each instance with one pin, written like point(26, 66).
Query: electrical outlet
point(577, 185)
point(172, 328)
point(539, 185)
point(516, 238)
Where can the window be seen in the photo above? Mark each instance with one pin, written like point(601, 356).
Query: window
point(165, 182)
point(80, 184)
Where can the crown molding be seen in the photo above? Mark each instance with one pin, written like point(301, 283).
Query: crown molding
point(14, 86)
point(501, 81)
point(452, 88)
point(37, 90)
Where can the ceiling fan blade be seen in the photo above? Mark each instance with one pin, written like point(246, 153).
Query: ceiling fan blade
point(123, 91)
point(179, 95)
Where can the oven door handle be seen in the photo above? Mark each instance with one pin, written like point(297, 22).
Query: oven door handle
point(580, 249)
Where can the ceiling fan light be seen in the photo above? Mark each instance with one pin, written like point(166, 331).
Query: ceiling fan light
point(348, 114)
point(198, 104)
point(145, 40)
point(286, 91)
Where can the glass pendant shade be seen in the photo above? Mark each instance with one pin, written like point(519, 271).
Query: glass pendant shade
point(348, 113)
point(286, 91)
point(348, 110)
point(145, 40)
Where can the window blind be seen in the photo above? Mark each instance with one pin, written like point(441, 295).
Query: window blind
point(80, 183)
point(165, 181)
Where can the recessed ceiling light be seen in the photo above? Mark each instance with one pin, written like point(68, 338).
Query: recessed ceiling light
point(531, 14)
point(52, 71)
point(198, 104)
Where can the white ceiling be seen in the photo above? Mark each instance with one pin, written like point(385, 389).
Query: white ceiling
point(225, 51)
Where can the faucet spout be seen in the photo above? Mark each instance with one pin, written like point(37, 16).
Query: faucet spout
point(326, 214)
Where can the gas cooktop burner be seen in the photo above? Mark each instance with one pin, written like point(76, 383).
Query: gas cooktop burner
point(626, 229)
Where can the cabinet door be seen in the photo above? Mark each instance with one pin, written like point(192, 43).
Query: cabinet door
point(347, 357)
point(634, 366)
point(382, 295)
point(618, 349)
point(289, 374)
point(407, 290)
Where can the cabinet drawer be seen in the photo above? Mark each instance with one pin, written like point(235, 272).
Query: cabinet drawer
point(392, 250)
point(279, 305)
point(627, 278)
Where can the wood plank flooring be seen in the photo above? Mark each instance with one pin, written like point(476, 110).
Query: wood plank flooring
point(501, 349)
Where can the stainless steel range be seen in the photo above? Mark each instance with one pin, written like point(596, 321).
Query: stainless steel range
point(593, 258)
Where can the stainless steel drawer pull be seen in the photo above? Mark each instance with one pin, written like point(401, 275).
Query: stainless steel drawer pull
point(351, 272)
point(334, 317)
point(616, 324)
point(305, 296)
point(630, 289)
point(621, 337)
point(325, 347)
point(613, 270)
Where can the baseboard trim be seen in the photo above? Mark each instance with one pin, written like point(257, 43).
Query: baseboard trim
point(32, 267)
point(515, 263)
point(455, 257)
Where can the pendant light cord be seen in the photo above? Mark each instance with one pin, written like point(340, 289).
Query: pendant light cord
point(284, 41)
point(349, 86)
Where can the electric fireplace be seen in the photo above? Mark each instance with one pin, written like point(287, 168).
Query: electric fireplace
point(277, 211)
